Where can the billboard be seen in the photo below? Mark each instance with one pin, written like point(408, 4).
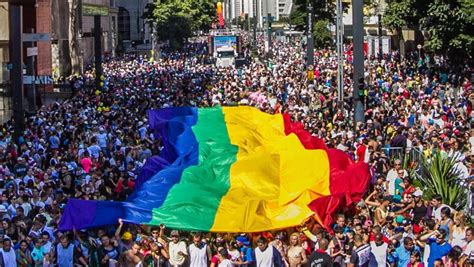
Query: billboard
point(225, 40)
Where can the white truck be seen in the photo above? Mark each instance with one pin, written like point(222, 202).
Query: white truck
point(225, 57)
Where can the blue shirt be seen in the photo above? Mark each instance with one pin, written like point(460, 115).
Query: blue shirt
point(54, 142)
point(402, 255)
point(248, 254)
point(94, 151)
point(437, 251)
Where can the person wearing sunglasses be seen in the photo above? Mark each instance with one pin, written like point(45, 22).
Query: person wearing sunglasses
point(438, 245)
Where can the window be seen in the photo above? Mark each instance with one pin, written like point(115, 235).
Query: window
point(124, 24)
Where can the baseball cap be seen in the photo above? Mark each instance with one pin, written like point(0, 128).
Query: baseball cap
point(2, 208)
point(127, 236)
point(399, 219)
point(243, 240)
point(417, 193)
point(175, 232)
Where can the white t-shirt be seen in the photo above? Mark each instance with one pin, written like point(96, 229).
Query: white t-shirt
point(225, 263)
point(264, 258)
point(378, 254)
point(197, 255)
point(175, 258)
point(9, 258)
point(469, 251)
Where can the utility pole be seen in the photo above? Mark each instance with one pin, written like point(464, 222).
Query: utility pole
point(16, 73)
point(358, 58)
point(309, 36)
point(30, 71)
point(98, 51)
point(379, 20)
point(269, 33)
point(340, 55)
point(254, 9)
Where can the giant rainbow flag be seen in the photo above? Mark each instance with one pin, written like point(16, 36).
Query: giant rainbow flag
point(230, 169)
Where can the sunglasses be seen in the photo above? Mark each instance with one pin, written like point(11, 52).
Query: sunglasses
point(174, 236)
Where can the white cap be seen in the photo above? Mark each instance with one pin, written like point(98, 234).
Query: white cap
point(417, 193)
point(2, 208)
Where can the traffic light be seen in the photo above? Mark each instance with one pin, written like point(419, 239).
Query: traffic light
point(361, 88)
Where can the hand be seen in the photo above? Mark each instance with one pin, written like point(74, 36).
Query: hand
point(120, 221)
point(180, 253)
point(162, 226)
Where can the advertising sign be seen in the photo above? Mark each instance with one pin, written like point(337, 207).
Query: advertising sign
point(225, 40)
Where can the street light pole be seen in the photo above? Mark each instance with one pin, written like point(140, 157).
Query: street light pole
point(269, 33)
point(380, 35)
point(15, 12)
point(339, 44)
point(98, 51)
point(255, 17)
point(309, 36)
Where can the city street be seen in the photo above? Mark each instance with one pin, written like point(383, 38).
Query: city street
point(236, 133)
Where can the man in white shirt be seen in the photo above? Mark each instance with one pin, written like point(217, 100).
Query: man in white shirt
point(8, 254)
point(177, 250)
point(378, 256)
point(267, 255)
point(199, 252)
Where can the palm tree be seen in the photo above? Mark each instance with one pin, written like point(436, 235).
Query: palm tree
point(439, 175)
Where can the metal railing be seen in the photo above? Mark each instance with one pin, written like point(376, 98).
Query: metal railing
point(410, 157)
point(410, 154)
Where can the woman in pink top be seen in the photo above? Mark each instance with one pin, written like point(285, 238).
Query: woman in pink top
point(86, 162)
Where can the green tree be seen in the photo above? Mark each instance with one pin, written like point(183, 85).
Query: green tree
point(176, 20)
point(404, 13)
point(447, 24)
point(449, 27)
point(325, 10)
point(322, 35)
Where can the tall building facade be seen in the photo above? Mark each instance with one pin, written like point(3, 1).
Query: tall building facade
point(258, 8)
point(36, 19)
point(4, 37)
point(133, 31)
point(60, 18)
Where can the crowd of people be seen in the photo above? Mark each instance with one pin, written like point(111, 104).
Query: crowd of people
point(93, 145)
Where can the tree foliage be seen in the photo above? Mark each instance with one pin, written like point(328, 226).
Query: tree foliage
point(440, 176)
point(323, 10)
point(447, 24)
point(322, 35)
point(176, 20)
